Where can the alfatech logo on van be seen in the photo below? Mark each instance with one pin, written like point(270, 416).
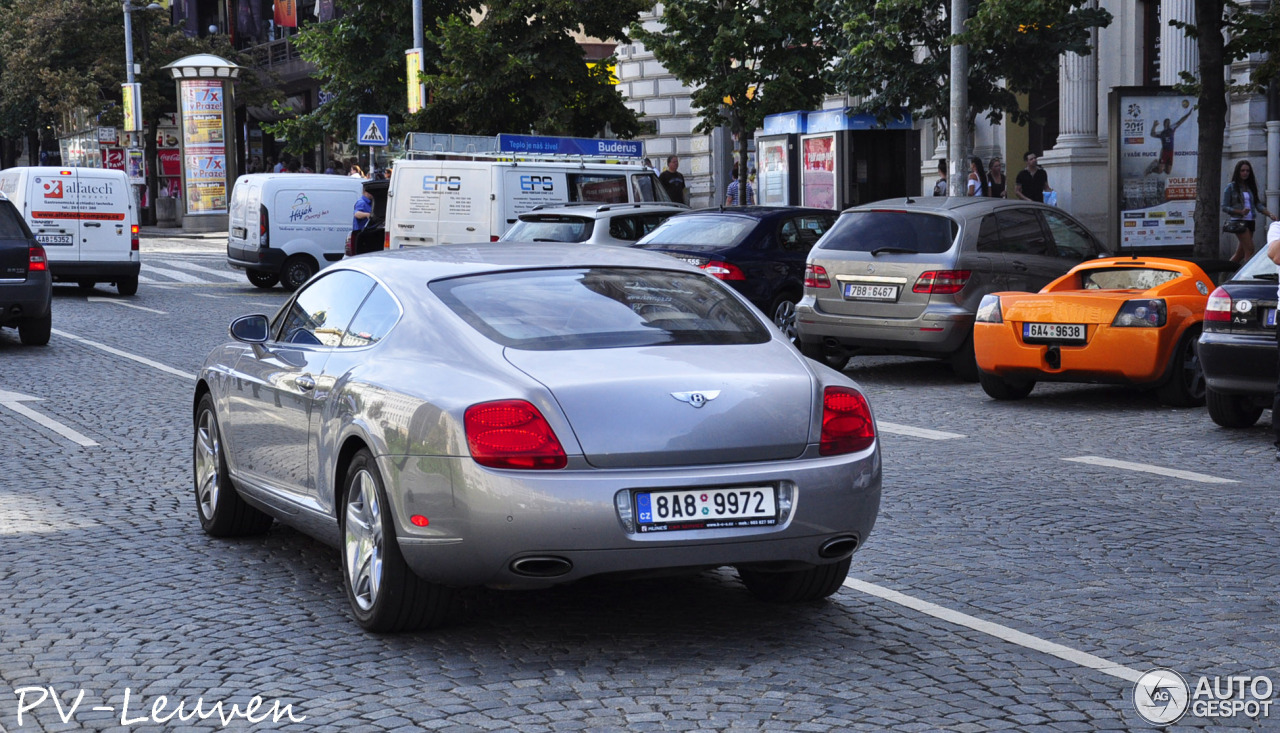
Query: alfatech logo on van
point(303, 210)
point(54, 189)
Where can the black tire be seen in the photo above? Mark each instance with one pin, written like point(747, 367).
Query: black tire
point(86, 285)
point(1232, 410)
point(127, 285)
point(296, 271)
point(383, 592)
point(796, 586)
point(783, 313)
point(264, 280)
point(35, 331)
point(964, 362)
point(1185, 386)
point(816, 351)
point(1000, 388)
point(221, 511)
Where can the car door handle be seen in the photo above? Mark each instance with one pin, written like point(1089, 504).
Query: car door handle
point(1018, 266)
point(305, 383)
point(93, 224)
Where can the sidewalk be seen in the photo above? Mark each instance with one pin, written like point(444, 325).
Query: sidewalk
point(158, 239)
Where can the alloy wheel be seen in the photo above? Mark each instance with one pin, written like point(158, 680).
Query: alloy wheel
point(364, 542)
point(784, 317)
point(208, 461)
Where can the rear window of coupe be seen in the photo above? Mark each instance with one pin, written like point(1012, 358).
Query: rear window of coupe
point(893, 231)
point(600, 308)
point(1126, 278)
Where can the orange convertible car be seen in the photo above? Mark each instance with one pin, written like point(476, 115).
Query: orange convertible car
point(1116, 320)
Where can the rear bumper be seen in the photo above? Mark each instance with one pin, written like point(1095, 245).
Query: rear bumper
point(110, 270)
point(939, 330)
point(1110, 356)
point(27, 299)
point(263, 259)
point(1236, 363)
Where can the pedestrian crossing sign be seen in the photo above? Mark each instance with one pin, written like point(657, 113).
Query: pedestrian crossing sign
point(371, 129)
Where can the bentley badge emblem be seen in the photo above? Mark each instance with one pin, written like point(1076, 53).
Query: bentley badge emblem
point(697, 399)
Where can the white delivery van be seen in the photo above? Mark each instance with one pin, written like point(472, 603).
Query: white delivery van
point(442, 201)
point(286, 227)
point(86, 219)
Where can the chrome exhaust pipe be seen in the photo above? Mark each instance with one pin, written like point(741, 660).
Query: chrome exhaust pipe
point(838, 547)
point(541, 567)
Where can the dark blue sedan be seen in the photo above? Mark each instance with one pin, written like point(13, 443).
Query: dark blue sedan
point(759, 251)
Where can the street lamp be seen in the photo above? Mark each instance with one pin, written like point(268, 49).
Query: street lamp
point(132, 96)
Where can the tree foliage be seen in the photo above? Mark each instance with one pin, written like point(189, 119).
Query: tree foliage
point(897, 53)
point(744, 59)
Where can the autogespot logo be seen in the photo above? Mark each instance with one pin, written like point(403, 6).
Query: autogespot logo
point(1160, 696)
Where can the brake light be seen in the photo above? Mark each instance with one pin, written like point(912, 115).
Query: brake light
point(493, 238)
point(512, 434)
point(264, 222)
point(724, 270)
point(941, 282)
point(1219, 306)
point(37, 261)
point(133, 234)
point(1142, 313)
point(386, 240)
point(846, 422)
point(815, 276)
point(350, 249)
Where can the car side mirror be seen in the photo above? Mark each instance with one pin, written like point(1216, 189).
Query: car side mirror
point(249, 329)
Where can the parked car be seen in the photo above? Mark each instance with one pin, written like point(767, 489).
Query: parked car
point(1116, 320)
point(905, 276)
point(758, 250)
point(1238, 346)
point(26, 287)
point(85, 218)
point(373, 237)
point(591, 223)
point(525, 415)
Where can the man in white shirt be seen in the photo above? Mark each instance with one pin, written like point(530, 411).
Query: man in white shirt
point(1273, 251)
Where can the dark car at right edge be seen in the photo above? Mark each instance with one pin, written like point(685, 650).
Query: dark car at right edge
point(1238, 345)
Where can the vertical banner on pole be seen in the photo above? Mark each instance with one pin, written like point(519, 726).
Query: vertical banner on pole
point(132, 98)
point(413, 70)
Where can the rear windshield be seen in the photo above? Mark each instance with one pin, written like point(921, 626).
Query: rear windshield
point(900, 231)
point(1126, 278)
point(1259, 268)
point(600, 308)
point(11, 224)
point(701, 231)
point(549, 228)
point(645, 187)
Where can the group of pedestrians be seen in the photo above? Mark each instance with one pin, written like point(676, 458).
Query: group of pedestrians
point(1031, 184)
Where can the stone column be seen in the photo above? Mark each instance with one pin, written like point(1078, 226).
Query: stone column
point(1177, 52)
point(1078, 96)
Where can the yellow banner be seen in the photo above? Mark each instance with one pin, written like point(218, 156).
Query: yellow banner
point(132, 98)
point(413, 64)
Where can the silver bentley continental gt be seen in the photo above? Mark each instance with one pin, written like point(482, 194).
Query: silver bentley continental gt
point(518, 416)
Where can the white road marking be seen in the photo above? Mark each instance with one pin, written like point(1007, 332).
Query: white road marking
point(140, 359)
point(265, 305)
point(999, 631)
point(193, 267)
point(178, 275)
point(13, 400)
point(896, 429)
point(208, 295)
point(1203, 478)
point(117, 301)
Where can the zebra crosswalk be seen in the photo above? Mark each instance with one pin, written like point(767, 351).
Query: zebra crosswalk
point(189, 269)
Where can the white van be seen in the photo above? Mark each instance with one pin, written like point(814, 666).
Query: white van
point(86, 219)
point(286, 227)
point(442, 201)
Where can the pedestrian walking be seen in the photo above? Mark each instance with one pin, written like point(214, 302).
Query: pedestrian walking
point(940, 185)
point(673, 181)
point(995, 178)
point(738, 195)
point(1240, 200)
point(977, 185)
point(1032, 182)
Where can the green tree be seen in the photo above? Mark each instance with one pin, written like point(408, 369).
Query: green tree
point(897, 53)
point(744, 59)
point(518, 69)
point(1248, 32)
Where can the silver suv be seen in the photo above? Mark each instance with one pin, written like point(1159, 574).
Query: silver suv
point(905, 276)
point(590, 222)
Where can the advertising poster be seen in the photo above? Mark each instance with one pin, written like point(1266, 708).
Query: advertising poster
point(1158, 158)
point(205, 165)
point(413, 70)
point(135, 166)
point(818, 176)
point(774, 176)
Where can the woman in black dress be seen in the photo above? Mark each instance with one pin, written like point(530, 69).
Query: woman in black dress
point(995, 179)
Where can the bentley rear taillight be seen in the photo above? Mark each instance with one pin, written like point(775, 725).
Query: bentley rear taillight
point(512, 434)
point(846, 422)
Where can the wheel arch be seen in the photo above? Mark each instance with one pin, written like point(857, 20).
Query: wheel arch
point(351, 445)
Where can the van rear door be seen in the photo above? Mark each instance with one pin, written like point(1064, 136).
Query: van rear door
point(464, 197)
point(106, 208)
point(53, 210)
